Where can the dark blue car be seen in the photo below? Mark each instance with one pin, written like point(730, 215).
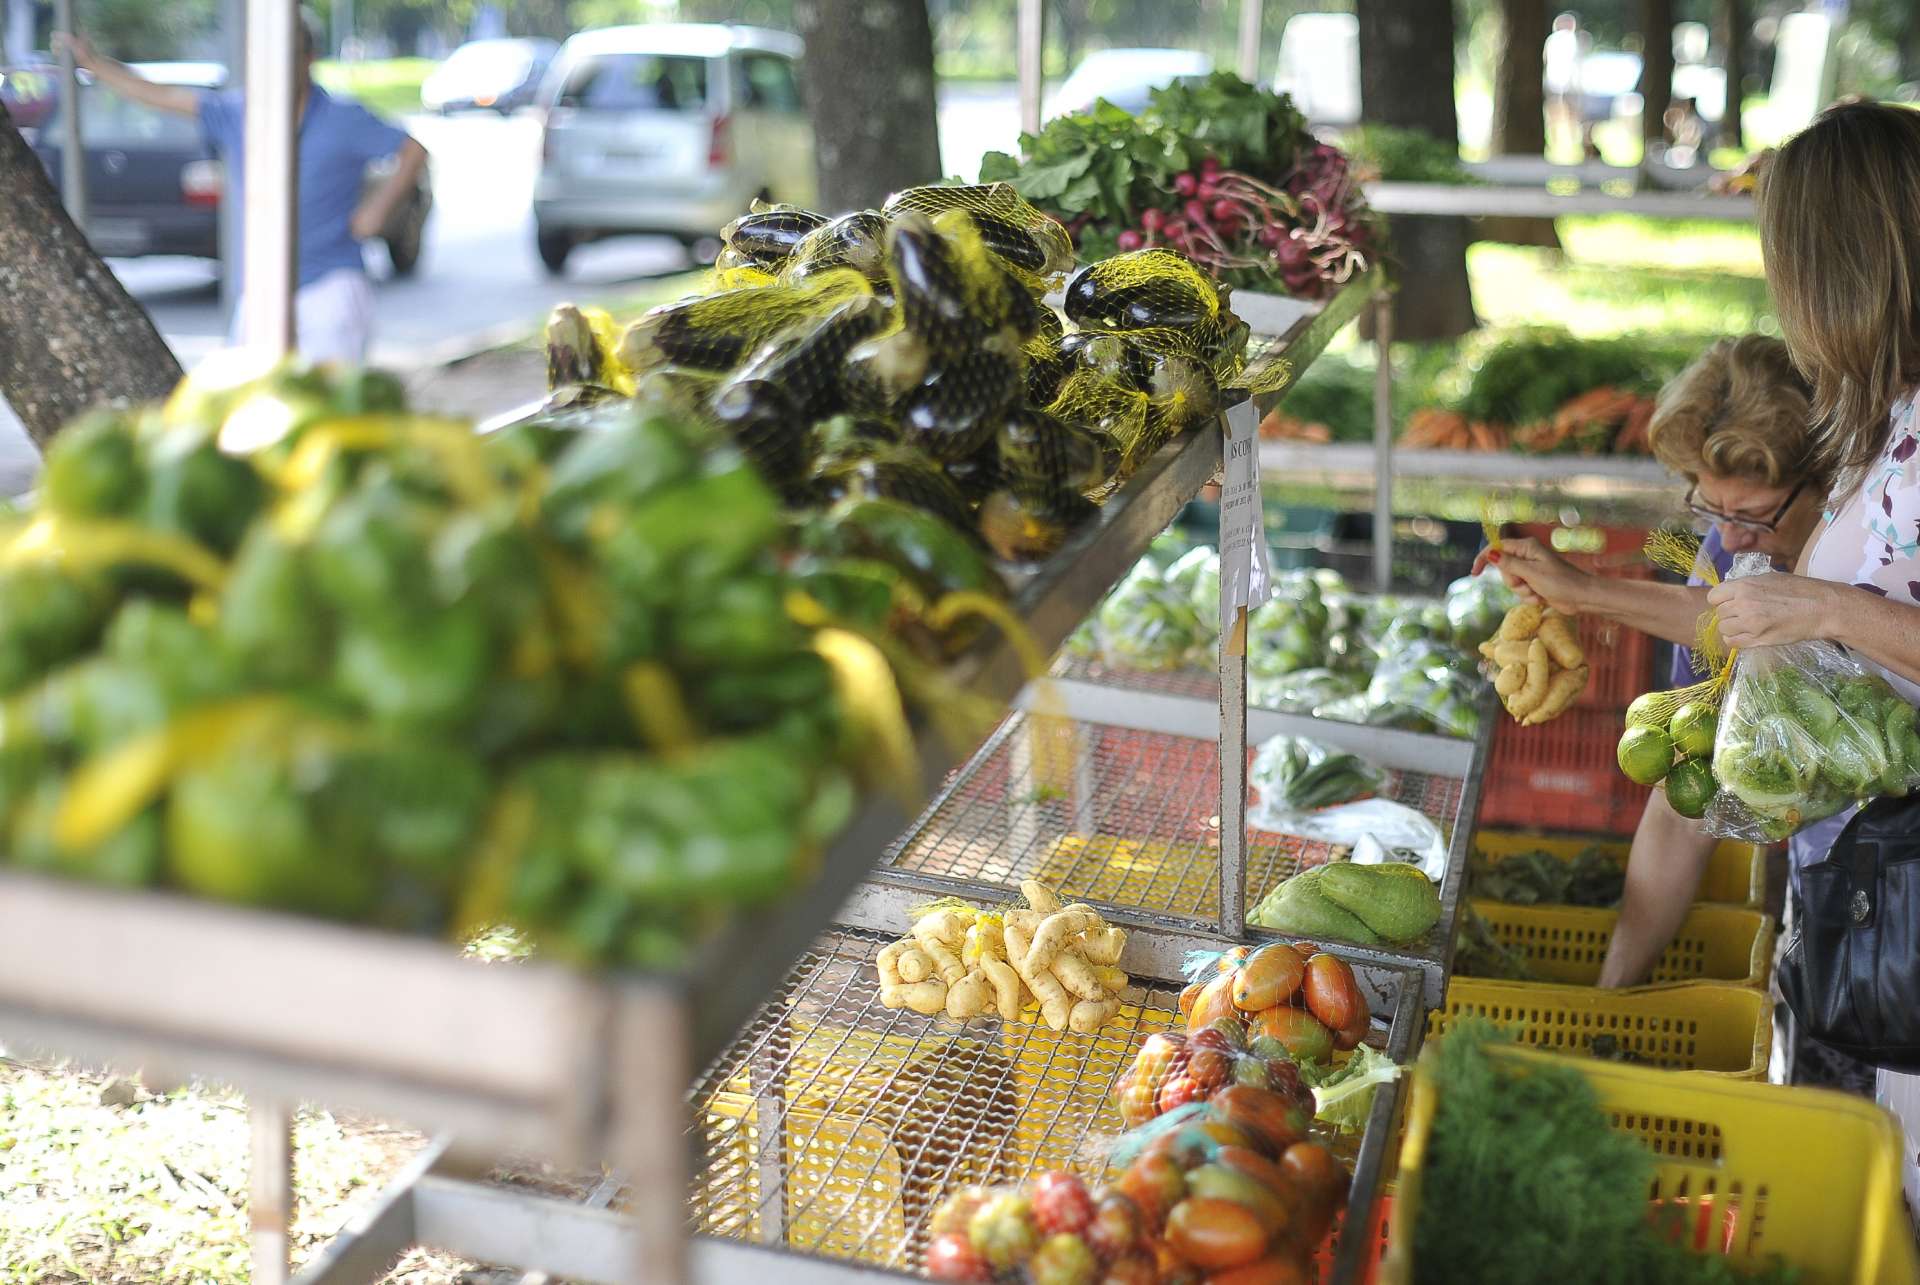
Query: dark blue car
point(153, 185)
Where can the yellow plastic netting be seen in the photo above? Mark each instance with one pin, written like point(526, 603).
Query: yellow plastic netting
point(1678, 551)
point(1031, 243)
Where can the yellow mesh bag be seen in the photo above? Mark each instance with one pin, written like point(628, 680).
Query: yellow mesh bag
point(766, 236)
point(1122, 419)
point(857, 241)
point(582, 348)
point(719, 331)
point(1031, 243)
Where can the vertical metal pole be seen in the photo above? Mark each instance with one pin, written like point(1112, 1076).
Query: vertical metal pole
point(73, 152)
point(1027, 37)
point(1383, 443)
point(647, 1128)
point(767, 1075)
point(233, 47)
point(1252, 12)
point(270, 1189)
point(271, 166)
point(1233, 753)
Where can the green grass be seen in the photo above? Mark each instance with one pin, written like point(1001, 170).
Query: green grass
point(155, 1191)
point(390, 87)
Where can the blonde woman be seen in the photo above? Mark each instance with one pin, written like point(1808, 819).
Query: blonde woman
point(1735, 425)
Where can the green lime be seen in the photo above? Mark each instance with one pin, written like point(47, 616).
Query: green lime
point(1645, 754)
point(1690, 787)
point(1645, 712)
point(1692, 730)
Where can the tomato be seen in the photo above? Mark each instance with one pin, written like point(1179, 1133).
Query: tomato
point(1252, 1072)
point(1304, 1037)
point(1064, 1260)
point(1212, 1233)
point(1003, 1232)
point(1261, 1170)
point(1134, 1269)
point(1215, 1002)
point(1210, 1039)
point(1349, 1037)
point(1273, 1121)
point(1154, 1183)
point(951, 1257)
point(1230, 962)
point(1314, 1169)
point(1061, 1204)
point(1270, 976)
point(1188, 996)
point(1171, 1269)
point(1225, 1183)
point(1210, 1068)
point(1115, 1228)
point(1333, 994)
point(1177, 1090)
point(1225, 1132)
point(1277, 1269)
point(957, 1211)
point(1233, 1030)
point(1286, 1077)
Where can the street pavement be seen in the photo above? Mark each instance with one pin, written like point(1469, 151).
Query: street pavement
point(479, 281)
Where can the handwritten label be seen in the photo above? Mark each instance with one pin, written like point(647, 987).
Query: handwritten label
point(1246, 580)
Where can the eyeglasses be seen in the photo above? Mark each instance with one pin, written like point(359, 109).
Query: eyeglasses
point(1754, 525)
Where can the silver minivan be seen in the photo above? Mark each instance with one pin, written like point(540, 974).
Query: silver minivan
point(671, 129)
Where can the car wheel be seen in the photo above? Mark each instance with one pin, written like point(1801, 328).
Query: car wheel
point(555, 245)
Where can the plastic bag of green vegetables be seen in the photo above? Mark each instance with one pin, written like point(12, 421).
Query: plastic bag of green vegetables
point(1806, 730)
point(1280, 640)
point(1300, 692)
point(1427, 686)
point(1157, 619)
point(1475, 607)
point(1296, 774)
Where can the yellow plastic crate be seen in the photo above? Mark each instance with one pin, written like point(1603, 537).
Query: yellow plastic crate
point(1715, 1028)
point(1736, 874)
point(1810, 1175)
point(1569, 943)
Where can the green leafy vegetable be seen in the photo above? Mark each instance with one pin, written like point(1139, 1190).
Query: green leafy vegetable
point(1589, 878)
point(1404, 155)
point(1345, 1097)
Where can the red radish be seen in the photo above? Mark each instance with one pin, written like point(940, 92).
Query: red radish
point(1196, 212)
point(1225, 211)
point(1151, 219)
point(1186, 184)
point(1210, 166)
point(1208, 192)
point(1130, 240)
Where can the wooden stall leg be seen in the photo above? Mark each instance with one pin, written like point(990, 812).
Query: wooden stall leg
point(270, 1189)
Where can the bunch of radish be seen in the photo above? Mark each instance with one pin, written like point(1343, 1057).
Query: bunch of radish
point(1310, 232)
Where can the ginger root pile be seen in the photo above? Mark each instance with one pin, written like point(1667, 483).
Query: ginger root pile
point(1540, 667)
point(963, 961)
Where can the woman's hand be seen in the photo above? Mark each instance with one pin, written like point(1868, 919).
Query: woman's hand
point(82, 51)
point(1537, 574)
point(1779, 607)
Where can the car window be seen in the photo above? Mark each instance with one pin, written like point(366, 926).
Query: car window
point(767, 83)
point(108, 120)
point(636, 82)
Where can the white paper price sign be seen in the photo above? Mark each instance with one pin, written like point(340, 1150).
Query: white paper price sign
point(1246, 581)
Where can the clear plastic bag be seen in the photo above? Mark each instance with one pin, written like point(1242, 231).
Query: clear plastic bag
point(1401, 833)
point(1476, 605)
point(1296, 774)
point(1806, 730)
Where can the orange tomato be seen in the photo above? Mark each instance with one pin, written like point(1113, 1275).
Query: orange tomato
point(1332, 992)
point(1298, 1031)
point(1276, 1123)
point(1212, 1233)
point(1214, 1002)
point(1262, 1170)
point(1270, 976)
point(1277, 1269)
point(1154, 1183)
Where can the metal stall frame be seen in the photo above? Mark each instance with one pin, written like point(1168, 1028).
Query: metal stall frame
point(588, 1071)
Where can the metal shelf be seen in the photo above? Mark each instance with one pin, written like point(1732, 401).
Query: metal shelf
point(1493, 466)
point(583, 1069)
point(1538, 202)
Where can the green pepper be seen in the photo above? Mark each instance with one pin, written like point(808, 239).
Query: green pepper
point(426, 673)
point(739, 621)
point(95, 704)
point(741, 698)
point(46, 617)
point(370, 556)
point(620, 466)
point(205, 495)
point(859, 590)
point(185, 660)
point(93, 468)
point(239, 829)
point(707, 529)
point(270, 615)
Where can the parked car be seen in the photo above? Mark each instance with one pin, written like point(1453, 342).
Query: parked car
point(671, 129)
point(1125, 77)
point(154, 186)
point(496, 75)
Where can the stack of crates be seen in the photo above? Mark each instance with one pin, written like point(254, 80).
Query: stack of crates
point(1562, 774)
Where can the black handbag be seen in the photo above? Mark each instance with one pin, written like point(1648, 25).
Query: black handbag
point(1852, 973)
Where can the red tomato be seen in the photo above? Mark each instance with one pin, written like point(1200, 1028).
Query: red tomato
point(1061, 1204)
point(951, 1257)
point(1210, 1068)
point(1261, 1170)
point(1225, 1132)
point(1115, 1229)
point(1274, 1121)
point(1270, 976)
point(1154, 1183)
point(1212, 1233)
point(1134, 1269)
point(1333, 994)
point(1176, 1091)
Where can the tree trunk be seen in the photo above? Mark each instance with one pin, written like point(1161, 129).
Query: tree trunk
point(71, 337)
point(870, 93)
point(1656, 69)
point(1519, 114)
point(1730, 33)
point(1406, 80)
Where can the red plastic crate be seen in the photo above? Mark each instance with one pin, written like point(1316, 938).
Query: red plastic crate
point(1621, 659)
point(1562, 775)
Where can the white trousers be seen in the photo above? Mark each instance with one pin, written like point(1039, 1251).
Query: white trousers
point(333, 318)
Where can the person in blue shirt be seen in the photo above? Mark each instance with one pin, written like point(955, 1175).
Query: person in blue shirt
point(1735, 424)
point(334, 306)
